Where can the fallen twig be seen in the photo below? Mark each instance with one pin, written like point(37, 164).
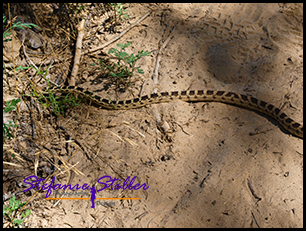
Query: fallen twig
point(78, 52)
point(162, 123)
point(161, 47)
point(250, 185)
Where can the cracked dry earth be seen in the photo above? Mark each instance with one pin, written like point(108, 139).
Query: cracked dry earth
point(222, 166)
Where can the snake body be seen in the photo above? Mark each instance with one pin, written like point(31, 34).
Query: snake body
point(245, 101)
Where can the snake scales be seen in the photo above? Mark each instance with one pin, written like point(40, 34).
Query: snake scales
point(193, 96)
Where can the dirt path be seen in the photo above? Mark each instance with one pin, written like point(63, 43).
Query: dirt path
point(210, 172)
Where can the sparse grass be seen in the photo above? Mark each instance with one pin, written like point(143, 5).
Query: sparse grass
point(59, 104)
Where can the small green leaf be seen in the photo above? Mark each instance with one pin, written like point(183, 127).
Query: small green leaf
point(7, 40)
point(10, 105)
point(113, 74)
point(29, 25)
point(112, 50)
point(28, 212)
point(140, 71)
point(6, 210)
point(123, 46)
point(18, 221)
point(21, 68)
point(146, 53)
point(122, 54)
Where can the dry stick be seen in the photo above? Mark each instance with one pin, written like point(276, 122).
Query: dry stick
point(155, 74)
point(120, 35)
point(78, 52)
point(163, 124)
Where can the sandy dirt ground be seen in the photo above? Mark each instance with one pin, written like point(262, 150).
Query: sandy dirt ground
point(221, 166)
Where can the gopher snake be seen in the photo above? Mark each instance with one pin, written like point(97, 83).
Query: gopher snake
point(193, 96)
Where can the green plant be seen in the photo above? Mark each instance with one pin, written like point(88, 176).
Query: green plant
point(119, 10)
point(19, 25)
point(125, 67)
point(11, 210)
point(10, 105)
